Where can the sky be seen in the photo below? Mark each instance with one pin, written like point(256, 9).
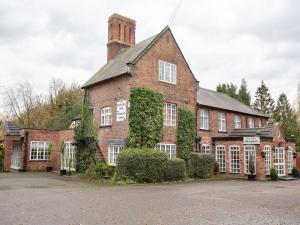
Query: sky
point(223, 41)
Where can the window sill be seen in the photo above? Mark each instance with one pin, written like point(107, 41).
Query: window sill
point(105, 126)
point(224, 132)
point(208, 130)
point(165, 82)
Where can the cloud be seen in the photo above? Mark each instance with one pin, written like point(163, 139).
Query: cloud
point(223, 41)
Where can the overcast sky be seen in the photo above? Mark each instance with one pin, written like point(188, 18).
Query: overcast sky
point(223, 41)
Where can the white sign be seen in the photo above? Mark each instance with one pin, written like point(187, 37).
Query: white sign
point(121, 110)
point(251, 140)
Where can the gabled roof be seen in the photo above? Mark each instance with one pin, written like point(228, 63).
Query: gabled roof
point(219, 100)
point(119, 65)
point(11, 128)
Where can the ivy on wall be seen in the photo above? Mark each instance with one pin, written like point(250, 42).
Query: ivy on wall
point(85, 139)
point(185, 133)
point(145, 118)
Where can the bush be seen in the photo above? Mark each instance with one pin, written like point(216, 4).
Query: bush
point(99, 170)
point(175, 169)
point(273, 171)
point(141, 165)
point(201, 165)
point(295, 172)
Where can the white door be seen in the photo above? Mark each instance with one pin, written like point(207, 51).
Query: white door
point(69, 156)
point(279, 161)
point(16, 156)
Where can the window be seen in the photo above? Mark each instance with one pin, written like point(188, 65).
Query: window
point(169, 149)
point(204, 119)
point(167, 72)
point(237, 121)
point(267, 150)
point(205, 148)
point(106, 116)
point(69, 156)
point(250, 123)
point(249, 151)
point(169, 114)
point(39, 150)
point(234, 159)
point(290, 160)
point(113, 151)
point(259, 123)
point(222, 122)
point(220, 157)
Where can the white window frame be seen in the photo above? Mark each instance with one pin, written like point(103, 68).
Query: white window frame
point(279, 160)
point(222, 122)
point(250, 122)
point(237, 122)
point(289, 160)
point(268, 159)
point(206, 149)
point(169, 149)
point(234, 164)
point(69, 153)
point(221, 157)
point(204, 119)
point(113, 152)
point(169, 116)
point(248, 150)
point(106, 117)
point(167, 72)
point(259, 123)
point(42, 151)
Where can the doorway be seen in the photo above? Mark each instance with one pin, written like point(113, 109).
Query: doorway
point(279, 161)
point(16, 156)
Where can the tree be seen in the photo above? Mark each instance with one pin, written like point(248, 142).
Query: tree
point(263, 100)
point(284, 114)
point(229, 89)
point(244, 95)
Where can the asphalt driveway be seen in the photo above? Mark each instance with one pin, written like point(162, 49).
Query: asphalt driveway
point(38, 198)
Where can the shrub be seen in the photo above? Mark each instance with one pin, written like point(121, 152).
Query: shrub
point(201, 165)
point(99, 170)
point(295, 172)
point(141, 165)
point(185, 133)
point(273, 171)
point(175, 169)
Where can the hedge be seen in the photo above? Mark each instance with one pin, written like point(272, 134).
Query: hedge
point(175, 169)
point(141, 165)
point(201, 165)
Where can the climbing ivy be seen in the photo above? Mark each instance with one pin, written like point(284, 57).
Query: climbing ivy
point(85, 139)
point(145, 118)
point(185, 133)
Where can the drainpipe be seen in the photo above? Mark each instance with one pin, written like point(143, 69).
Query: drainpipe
point(25, 144)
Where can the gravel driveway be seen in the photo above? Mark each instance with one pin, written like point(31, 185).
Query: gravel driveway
point(40, 199)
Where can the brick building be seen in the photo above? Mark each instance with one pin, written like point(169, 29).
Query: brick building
point(34, 149)
point(226, 128)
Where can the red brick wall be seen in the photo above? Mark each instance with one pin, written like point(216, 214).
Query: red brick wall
point(213, 123)
point(298, 162)
point(8, 143)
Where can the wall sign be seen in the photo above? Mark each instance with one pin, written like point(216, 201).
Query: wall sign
point(251, 140)
point(121, 110)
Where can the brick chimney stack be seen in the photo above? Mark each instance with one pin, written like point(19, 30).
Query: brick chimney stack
point(121, 34)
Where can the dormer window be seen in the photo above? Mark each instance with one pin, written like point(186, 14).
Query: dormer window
point(167, 72)
point(250, 122)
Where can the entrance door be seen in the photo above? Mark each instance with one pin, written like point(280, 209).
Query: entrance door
point(69, 156)
point(16, 156)
point(279, 161)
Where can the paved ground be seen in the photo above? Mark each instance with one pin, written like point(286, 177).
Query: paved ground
point(35, 198)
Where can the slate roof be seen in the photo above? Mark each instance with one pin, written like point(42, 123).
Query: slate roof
point(11, 128)
point(251, 132)
point(219, 100)
point(118, 65)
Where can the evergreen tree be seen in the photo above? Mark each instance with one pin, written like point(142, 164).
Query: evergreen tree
point(263, 100)
point(244, 95)
point(284, 114)
point(229, 89)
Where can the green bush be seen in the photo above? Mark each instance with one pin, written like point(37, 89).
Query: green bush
point(201, 165)
point(175, 169)
point(141, 165)
point(99, 170)
point(273, 171)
